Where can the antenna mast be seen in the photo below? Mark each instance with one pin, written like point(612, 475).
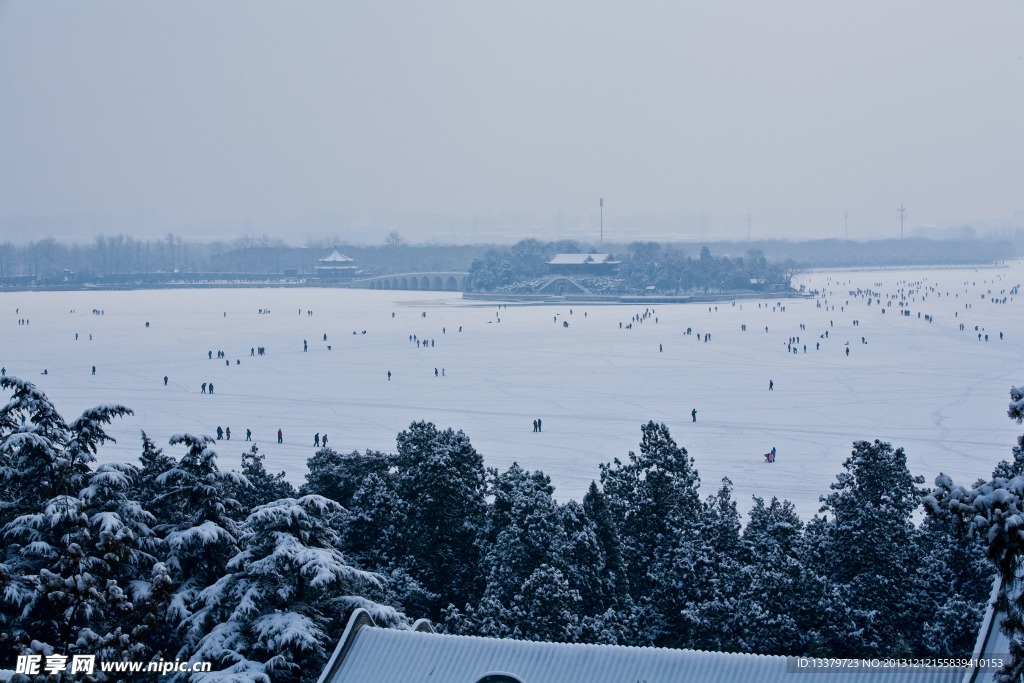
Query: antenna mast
point(901, 211)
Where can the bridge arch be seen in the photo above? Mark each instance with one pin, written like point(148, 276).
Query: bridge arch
point(387, 284)
point(436, 284)
point(451, 285)
point(414, 282)
point(425, 282)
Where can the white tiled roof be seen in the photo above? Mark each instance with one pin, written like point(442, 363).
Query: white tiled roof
point(579, 259)
point(335, 257)
point(378, 655)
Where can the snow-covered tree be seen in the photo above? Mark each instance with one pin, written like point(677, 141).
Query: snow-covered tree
point(338, 476)
point(261, 487)
point(440, 479)
point(152, 463)
point(954, 581)
point(278, 611)
point(654, 499)
point(991, 511)
point(870, 543)
point(200, 533)
point(716, 574)
point(72, 533)
point(782, 603)
point(613, 573)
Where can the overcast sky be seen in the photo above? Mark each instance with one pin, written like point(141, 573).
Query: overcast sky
point(305, 118)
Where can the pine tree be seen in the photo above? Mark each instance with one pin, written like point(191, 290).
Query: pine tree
point(781, 606)
point(717, 574)
point(338, 476)
point(871, 544)
point(375, 522)
point(613, 574)
point(990, 512)
point(546, 608)
point(285, 598)
point(441, 480)
point(154, 462)
point(75, 534)
point(654, 498)
point(524, 530)
point(201, 535)
point(954, 581)
point(262, 487)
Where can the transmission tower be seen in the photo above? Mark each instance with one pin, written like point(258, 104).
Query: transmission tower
point(902, 212)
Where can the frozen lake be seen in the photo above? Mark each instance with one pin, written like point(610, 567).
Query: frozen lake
point(935, 390)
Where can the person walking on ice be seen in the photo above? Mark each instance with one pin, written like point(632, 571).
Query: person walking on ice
point(204, 388)
point(540, 426)
point(227, 433)
point(280, 436)
point(220, 433)
point(534, 425)
point(165, 380)
point(316, 440)
point(323, 441)
point(771, 385)
point(211, 387)
point(693, 414)
point(389, 375)
point(248, 433)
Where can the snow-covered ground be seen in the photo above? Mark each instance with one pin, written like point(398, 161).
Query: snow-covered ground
point(936, 391)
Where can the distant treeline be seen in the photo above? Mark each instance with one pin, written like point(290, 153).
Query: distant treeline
point(833, 253)
point(47, 261)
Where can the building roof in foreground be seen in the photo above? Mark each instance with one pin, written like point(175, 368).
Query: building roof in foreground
point(335, 259)
point(580, 259)
point(368, 654)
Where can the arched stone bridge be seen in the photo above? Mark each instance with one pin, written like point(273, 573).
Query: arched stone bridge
point(450, 281)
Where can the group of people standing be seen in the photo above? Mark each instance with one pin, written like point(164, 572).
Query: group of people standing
point(318, 441)
point(536, 425)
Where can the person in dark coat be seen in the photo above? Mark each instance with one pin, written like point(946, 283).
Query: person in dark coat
point(693, 414)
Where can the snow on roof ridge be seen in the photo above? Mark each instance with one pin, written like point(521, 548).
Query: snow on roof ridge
point(543, 643)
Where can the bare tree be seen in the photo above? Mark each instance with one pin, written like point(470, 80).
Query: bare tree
point(7, 250)
point(393, 239)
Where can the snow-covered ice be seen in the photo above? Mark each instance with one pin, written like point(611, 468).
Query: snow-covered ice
point(936, 391)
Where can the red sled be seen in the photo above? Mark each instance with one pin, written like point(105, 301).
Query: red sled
point(768, 457)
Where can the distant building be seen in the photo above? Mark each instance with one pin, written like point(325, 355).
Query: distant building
point(582, 264)
point(337, 266)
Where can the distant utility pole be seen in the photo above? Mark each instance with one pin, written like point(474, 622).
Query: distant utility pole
point(748, 227)
point(602, 221)
point(901, 211)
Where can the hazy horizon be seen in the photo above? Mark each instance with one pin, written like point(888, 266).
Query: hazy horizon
point(464, 123)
